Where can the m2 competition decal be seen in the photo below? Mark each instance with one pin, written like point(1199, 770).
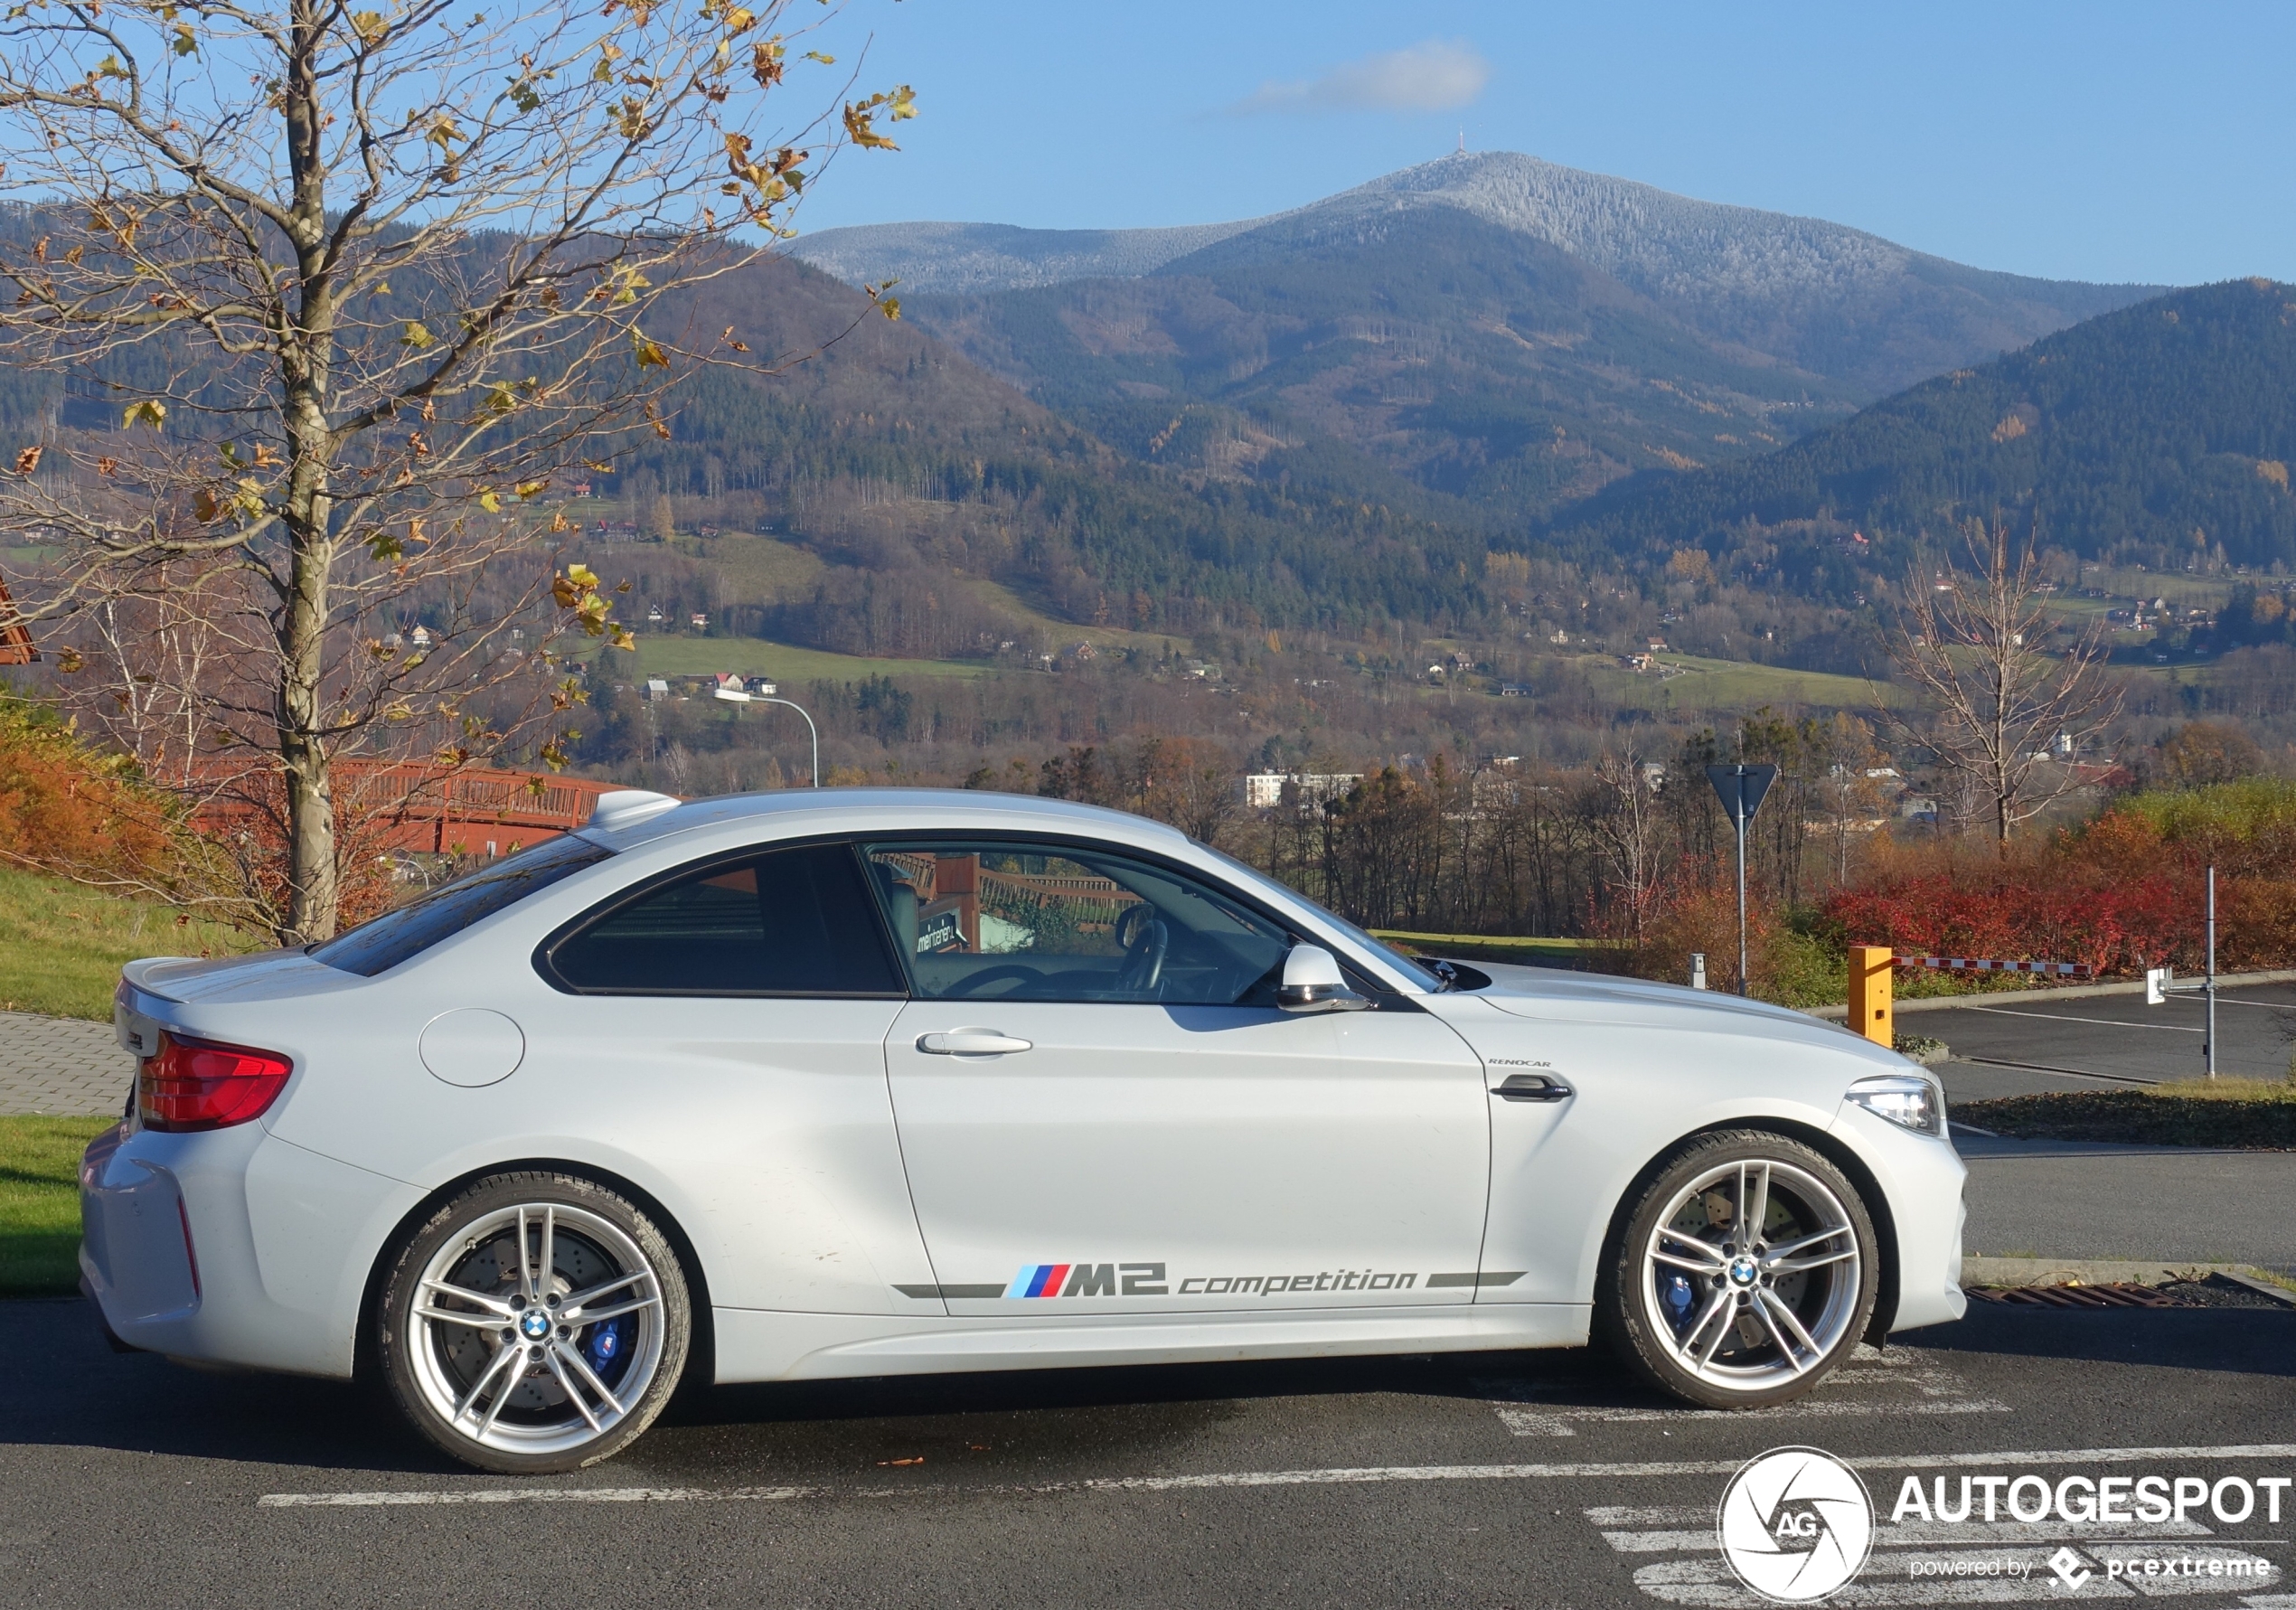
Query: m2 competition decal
point(1152, 1280)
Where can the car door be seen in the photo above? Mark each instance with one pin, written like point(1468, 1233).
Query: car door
point(1102, 1110)
point(729, 1017)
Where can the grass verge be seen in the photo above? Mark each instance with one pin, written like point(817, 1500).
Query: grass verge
point(40, 1203)
point(1496, 948)
point(2262, 1119)
point(61, 944)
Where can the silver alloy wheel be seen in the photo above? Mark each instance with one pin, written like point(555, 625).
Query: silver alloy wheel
point(1751, 1278)
point(537, 1328)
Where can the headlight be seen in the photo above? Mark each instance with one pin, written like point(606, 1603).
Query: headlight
point(1905, 1099)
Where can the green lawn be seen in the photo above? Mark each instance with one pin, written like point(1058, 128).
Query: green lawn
point(40, 1203)
point(756, 656)
point(1491, 948)
point(61, 944)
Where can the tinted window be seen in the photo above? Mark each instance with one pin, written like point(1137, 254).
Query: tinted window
point(793, 922)
point(381, 943)
point(995, 921)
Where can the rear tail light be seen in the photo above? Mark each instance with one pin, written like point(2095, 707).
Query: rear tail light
point(195, 1084)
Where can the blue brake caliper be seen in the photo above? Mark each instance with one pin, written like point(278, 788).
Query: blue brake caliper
point(1678, 1298)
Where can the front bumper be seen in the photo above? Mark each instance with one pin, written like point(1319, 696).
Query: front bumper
point(1921, 1177)
point(231, 1247)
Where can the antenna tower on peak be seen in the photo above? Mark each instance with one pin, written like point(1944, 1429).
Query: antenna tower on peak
point(1463, 142)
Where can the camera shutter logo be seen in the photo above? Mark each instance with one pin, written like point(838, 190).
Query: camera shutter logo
point(1795, 1524)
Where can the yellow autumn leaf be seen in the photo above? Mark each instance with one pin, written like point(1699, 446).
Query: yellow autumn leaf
point(154, 414)
point(490, 502)
point(650, 352)
point(416, 335)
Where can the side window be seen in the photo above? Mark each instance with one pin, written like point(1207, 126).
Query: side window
point(997, 921)
point(789, 922)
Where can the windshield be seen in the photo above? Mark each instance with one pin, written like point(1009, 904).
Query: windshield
point(1417, 972)
point(381, 943)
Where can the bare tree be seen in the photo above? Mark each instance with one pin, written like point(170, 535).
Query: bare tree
point(333, 296)
point(1625, 821)
point(1975, 643)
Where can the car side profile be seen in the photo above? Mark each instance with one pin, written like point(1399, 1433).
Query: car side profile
point(862, 1082)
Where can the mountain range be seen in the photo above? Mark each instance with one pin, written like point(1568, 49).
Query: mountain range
point(1332, 416)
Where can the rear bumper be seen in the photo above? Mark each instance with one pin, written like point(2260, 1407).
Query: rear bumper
point(177, 1262)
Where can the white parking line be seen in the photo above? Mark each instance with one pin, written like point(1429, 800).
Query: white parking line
point(1531, 1408)
point(1337, 1477)
point(1557, 1421)
point(2102, 1022)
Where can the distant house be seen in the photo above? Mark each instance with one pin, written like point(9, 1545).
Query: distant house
point(701, 619)
point(1657, 645)
point(1637, 662)
point(655, 688)
point(759, 687)
point(420, 637)
point(1264, 790)
point(1514, 690)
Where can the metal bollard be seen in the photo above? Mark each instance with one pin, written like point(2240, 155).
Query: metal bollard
point(1698, 969)
point(1872, 978)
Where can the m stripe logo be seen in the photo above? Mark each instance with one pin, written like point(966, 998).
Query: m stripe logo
point(1064, 1280)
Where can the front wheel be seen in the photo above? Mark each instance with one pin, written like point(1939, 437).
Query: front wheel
point(1748, 1269)
point(537, 1323)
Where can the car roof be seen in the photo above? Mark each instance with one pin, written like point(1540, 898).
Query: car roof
point(794, 811)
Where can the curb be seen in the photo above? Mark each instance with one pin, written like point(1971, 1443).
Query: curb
point(2073, 991)
point(2091, 1271)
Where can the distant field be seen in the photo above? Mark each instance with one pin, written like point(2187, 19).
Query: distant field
point(1006, 601)
point(761, 570)
point(756, 656)
point(1733, 684)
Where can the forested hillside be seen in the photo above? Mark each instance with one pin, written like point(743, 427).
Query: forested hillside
point(2159, 435)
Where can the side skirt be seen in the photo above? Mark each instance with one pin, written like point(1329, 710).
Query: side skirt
point(760, 1345)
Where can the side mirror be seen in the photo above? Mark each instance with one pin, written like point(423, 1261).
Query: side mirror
point(1312, 982)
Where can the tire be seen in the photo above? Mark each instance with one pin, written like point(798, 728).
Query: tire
point(1695, 1311)
point(460, 1306)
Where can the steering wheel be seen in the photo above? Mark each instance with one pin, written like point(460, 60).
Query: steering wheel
point(974, 982)
point(1144, 940)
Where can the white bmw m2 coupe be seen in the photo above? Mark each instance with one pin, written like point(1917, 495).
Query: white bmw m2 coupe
point(867, 1082)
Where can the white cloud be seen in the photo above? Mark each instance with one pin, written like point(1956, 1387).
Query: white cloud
point(1432, 76)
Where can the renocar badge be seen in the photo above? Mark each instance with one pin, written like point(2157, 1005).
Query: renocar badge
point(1795, 1524)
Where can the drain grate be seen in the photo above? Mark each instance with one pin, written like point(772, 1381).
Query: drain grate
point(2122, 1294)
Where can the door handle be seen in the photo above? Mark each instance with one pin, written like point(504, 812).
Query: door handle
point(1532, 1087)
point(970, 1042)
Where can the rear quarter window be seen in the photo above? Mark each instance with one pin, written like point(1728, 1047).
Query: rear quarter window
point(399, 934)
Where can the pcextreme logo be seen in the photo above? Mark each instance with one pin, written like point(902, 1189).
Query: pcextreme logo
point(1795, 1524)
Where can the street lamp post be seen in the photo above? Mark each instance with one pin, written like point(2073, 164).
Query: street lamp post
point(757, 699)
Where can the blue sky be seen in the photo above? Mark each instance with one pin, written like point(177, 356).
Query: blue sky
point(2098, 141)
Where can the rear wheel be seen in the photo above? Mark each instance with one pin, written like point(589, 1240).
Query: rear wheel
point(536, 1323)
point(1748, 1269)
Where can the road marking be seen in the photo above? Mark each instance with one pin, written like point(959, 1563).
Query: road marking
point(1529, 1408)
point(536, 1495)
point(1337, 1477)
point(2102, 1022)
point(2072, 1073)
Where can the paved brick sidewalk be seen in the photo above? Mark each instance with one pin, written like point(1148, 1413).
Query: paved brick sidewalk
point(61, 1066)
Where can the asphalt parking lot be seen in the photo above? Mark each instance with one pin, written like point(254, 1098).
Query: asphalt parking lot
point(2004, 1046)
point(1511, 1480)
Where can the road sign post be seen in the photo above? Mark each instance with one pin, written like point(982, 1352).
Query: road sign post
point(1740, 788)
point(2160, 982)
